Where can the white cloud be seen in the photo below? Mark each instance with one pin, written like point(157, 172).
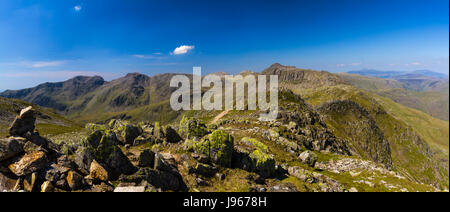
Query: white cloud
point(182, 49)
point(43, 64)
point(77, 8)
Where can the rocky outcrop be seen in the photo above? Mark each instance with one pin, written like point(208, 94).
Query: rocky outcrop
point(254, 156)
point(218, 146)
point(191, 127)
point(304, 125)
point(308, 158)
point(23, 123)
point(107, 152)
point(365, 137)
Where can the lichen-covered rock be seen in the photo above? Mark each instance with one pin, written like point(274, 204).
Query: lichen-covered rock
point(302, 174)
point(164, 180)
point(97, 172)
point(23, 123)
point(308, 158)
point(107, 152)
point(129, 133)
point(94, 138)
point(171, 135)
point(84, 157)
point(29, 163)
point(218, 146)
point(274, 133)
point(204, 170)
point(161, 164)
point(9, 148)
point(254, 144)
point(259, 160)
point(263, 163)
point(94, 127)
point(117, 162)
point(146, 158)
point(191, 127)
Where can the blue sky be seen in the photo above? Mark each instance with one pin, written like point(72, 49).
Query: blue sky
point(53, 40)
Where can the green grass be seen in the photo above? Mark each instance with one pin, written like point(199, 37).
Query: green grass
point(403, 127)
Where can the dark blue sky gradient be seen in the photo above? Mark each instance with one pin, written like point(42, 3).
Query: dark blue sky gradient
point(48, 40)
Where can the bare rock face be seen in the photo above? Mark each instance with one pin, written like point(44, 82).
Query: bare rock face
point(6, 183)
point(9, 148)
point(29, 182)
point(47, 187)
point(97, 172)
point(146, 158)
point(23, 123)
point(29, 163)
point(308, 158)
point(74, 180)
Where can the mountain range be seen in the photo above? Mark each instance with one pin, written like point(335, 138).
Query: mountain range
point(397, 121)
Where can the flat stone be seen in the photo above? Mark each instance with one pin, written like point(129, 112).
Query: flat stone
point(130, 189)
point(29, 163)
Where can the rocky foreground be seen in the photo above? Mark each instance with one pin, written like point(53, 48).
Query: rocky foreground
point(122, 157)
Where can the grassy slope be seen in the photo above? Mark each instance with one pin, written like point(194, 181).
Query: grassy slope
point(434, 102)
point(235, 180)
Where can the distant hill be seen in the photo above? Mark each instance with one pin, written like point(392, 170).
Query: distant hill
point(430, 95)
point(376, 73)
point(429, 73)
point(57, 95)
point(394, 74)
point(134, 96)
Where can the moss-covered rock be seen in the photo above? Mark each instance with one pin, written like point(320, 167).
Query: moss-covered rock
point(204, 170)
point(191, 127)
point(129, 133)
point(106, 152)
point(171, 135)
point(94, 138)
point(259, 160)
point(94, 127)
point(255, 144)
point(218, 146)
point(263, 163)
